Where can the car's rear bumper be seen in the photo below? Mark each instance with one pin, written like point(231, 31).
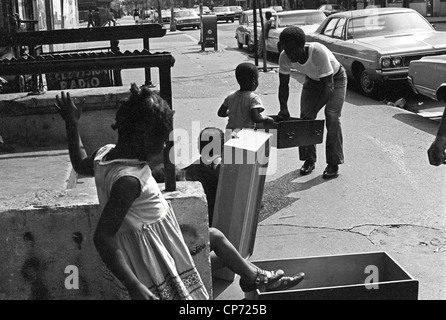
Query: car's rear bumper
point(188, 25)
point(226, 17)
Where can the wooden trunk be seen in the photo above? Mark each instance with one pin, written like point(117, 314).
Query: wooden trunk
point(239, 192)
point(294, 132)
point(362, 276)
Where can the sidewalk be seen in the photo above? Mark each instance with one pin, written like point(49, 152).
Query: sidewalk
point(436, 19)
point(386, 198)
point(374, 205)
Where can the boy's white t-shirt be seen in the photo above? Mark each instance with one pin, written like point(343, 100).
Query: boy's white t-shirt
point(240, 104)
point(321, 62)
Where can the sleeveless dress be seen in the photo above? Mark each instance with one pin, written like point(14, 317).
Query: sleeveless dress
point(149, 237)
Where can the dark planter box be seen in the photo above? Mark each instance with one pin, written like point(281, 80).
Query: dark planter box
point(294, 132)
point(342, 277)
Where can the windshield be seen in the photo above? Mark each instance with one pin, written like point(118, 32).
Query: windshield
point(301, 19)
point(386, 24)
point(181, 14)
point(251, 17)
point(220, 9)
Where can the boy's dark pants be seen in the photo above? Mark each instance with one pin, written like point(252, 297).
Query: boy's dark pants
point(310, 93)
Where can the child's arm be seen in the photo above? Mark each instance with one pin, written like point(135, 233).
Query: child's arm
point(258, 117)
point(81, 163)
point(123, 193)
point(223, 111)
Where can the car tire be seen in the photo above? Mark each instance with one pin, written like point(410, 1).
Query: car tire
point(250, 47)
point(368, 87)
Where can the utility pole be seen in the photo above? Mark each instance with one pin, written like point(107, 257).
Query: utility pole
point(173, 27)
point(263, 39)
point(61, 14)
point(254, 15)
point(49, 18)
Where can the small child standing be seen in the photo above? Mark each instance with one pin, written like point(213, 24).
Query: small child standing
point(244, 107)
point(207, 170)
point(137, 235)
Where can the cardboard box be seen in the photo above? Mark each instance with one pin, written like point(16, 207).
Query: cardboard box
point(239, 191)
point(362, 276)
point(294, 132)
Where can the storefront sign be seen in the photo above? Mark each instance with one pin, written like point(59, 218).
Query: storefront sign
point(78, 80)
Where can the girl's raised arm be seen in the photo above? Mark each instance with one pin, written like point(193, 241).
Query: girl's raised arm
point(82, 163)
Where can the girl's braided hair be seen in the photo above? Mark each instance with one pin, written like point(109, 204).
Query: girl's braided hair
point(144, 111)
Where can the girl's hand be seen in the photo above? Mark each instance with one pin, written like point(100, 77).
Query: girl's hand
point(141, 292)
point(67, 109)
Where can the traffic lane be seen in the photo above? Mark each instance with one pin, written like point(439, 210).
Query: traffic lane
point(386, 186)
point(188, 40)
point(385, 152)
point(391, 92)
point(386, 198)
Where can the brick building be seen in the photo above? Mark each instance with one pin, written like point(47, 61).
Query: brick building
point(38, 15)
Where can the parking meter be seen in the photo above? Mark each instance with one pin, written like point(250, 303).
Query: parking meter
point(209, 31)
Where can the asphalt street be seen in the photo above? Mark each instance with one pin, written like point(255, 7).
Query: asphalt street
point(387, 197)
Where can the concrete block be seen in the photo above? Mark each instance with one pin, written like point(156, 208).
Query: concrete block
point(190, 206)
point(45, 239)
point(32, 122)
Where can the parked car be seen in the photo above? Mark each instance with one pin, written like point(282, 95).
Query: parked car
point(427, 76)
point(245, 30)
point(205, 9)
point(165, 16)
point(224, 14)
point(238, 11)
point(147, 16)
point(377, 45)
point(307, 20)
point(329, 9)
point(187, 18)
point(276, 8)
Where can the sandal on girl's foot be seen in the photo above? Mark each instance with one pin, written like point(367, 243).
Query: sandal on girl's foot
point(262, 280)
point(286, 282)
